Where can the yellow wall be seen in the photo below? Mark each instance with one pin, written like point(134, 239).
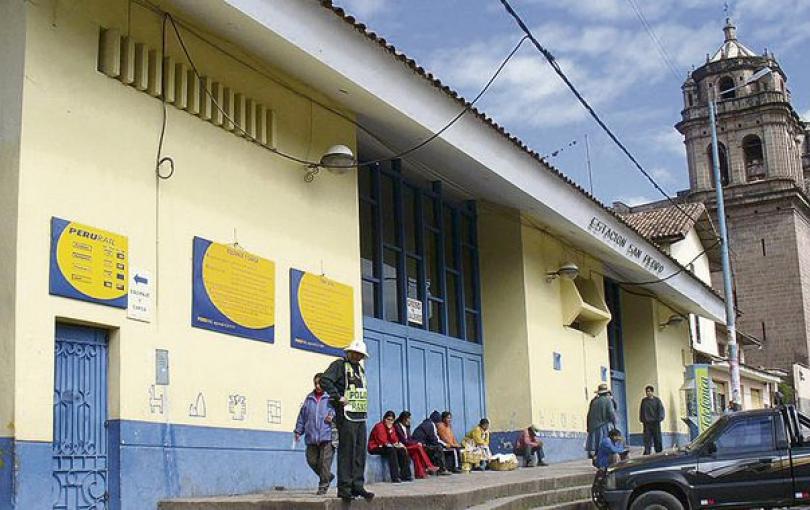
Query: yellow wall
point(559, 397)
point(672, 356)
point(503, 298)
point(640, 354)
point(93, 141)
point(12, 54)
point(523, 326)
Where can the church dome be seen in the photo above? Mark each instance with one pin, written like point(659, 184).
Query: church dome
point(731, 48)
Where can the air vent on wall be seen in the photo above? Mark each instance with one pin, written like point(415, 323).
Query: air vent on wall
point(134, 64)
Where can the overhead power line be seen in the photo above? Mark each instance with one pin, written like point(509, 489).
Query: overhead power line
point(241, 130)
point(668, 62)
point(556, 66)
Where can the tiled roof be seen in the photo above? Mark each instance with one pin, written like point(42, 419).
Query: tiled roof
point(416, 68)
point(665, 223)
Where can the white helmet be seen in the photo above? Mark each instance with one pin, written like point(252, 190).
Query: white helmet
point(359, 347)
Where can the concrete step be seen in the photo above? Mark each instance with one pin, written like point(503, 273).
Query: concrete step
point(582, 504)
point(549, 498)
point(456, 492)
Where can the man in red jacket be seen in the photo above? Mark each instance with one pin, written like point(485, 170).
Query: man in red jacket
point(528, 445)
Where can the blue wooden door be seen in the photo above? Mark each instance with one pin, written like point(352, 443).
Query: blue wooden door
point(79, 419)
point(617, 386)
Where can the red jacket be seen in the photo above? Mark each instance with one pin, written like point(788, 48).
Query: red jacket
point(382, 436)
point(526, 438)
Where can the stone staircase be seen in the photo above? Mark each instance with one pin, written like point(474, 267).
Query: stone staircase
point(561, 487)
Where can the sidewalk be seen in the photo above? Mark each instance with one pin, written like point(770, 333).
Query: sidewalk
point(535, 487)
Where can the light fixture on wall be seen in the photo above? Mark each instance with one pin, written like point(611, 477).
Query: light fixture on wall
point(338, 159)
point(568, 271)
point(674, 320)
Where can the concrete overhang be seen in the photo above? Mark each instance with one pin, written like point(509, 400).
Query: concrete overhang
point(309, 42)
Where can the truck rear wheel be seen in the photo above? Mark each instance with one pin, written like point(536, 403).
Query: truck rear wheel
point(656, 500)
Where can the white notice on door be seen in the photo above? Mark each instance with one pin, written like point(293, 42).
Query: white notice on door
point(415, 311)
point(139, 304)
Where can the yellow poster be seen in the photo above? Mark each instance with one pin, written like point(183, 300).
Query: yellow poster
point(234, 291)
point(703, 391)
point(322, 313)
point(88, 263)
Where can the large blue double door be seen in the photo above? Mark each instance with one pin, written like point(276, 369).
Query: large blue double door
point(421, 372)
point(80, 450)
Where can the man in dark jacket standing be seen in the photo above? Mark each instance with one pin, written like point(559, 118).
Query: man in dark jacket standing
point(345, 382)
point(651, 414)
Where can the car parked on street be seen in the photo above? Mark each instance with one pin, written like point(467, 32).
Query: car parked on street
point(748, 459)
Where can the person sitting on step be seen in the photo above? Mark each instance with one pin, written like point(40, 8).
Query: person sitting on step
point(385, 442)
point(426, 433)
point(452, 448)
point(528, 446)
point(477, 440)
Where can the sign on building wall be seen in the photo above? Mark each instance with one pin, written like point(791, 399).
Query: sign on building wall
point(139, 306)
point(703, 394)
point(322, 313)
point(233, 291)
point(88, 263)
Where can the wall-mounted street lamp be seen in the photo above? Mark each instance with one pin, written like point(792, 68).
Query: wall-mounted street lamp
point(338, 159)
point(674, 320)
point(568, 271)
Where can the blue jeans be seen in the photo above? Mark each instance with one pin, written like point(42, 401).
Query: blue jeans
point(529, 454)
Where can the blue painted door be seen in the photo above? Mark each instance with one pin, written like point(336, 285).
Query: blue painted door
point(617, 385)
point(80, 461)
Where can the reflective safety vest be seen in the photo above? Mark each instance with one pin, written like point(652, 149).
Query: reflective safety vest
point(356, 398)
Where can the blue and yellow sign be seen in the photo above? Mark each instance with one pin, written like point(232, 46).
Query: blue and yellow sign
point(322, 313)
point(233, 291)
point(88, 263)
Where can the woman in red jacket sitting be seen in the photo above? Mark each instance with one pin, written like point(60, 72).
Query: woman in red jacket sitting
point(421, 461)
point(385, 441)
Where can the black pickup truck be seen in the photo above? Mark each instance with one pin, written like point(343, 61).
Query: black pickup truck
point(748, 459)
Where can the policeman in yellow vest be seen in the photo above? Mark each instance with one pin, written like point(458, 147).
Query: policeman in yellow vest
point(345, 382)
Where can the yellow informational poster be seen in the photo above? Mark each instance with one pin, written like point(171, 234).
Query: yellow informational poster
point(322, 313)
point(703, 393)
point(234, 291)
point(88, 263)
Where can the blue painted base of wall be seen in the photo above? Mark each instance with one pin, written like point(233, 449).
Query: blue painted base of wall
point(155, 462)
point(668, 439)
point(558, 446)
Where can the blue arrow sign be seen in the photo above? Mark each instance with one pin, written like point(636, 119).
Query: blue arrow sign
point(141, 279)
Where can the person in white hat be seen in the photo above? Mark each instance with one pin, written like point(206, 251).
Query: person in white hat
point(345, 382)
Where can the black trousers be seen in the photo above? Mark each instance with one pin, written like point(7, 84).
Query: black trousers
point(652, 436)
point(399, 465)
point(351, 456)
point(436, 455)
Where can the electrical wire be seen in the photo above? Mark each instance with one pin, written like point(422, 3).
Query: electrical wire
point(556, 66)
point(656, 41)
point(159, 159)
point(318, 164)
point(676, 273)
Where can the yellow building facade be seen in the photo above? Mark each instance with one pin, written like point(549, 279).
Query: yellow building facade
point(112, 274)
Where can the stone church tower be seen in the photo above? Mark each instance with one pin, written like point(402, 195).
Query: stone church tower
point(764, 165)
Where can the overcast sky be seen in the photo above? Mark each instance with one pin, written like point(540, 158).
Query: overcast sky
point(604, 48)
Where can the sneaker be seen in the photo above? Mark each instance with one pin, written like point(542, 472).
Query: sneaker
point(321, 491)
point(542, 464)
point(444, 472)
point(347, 498)
point(408, 479)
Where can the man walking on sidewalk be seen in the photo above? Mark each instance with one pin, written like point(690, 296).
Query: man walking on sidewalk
point(345, 382)
point(315, 424)
point(651, 414)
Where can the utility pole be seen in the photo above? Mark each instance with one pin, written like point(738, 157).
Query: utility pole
point(728, 282)
point(728, 278)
